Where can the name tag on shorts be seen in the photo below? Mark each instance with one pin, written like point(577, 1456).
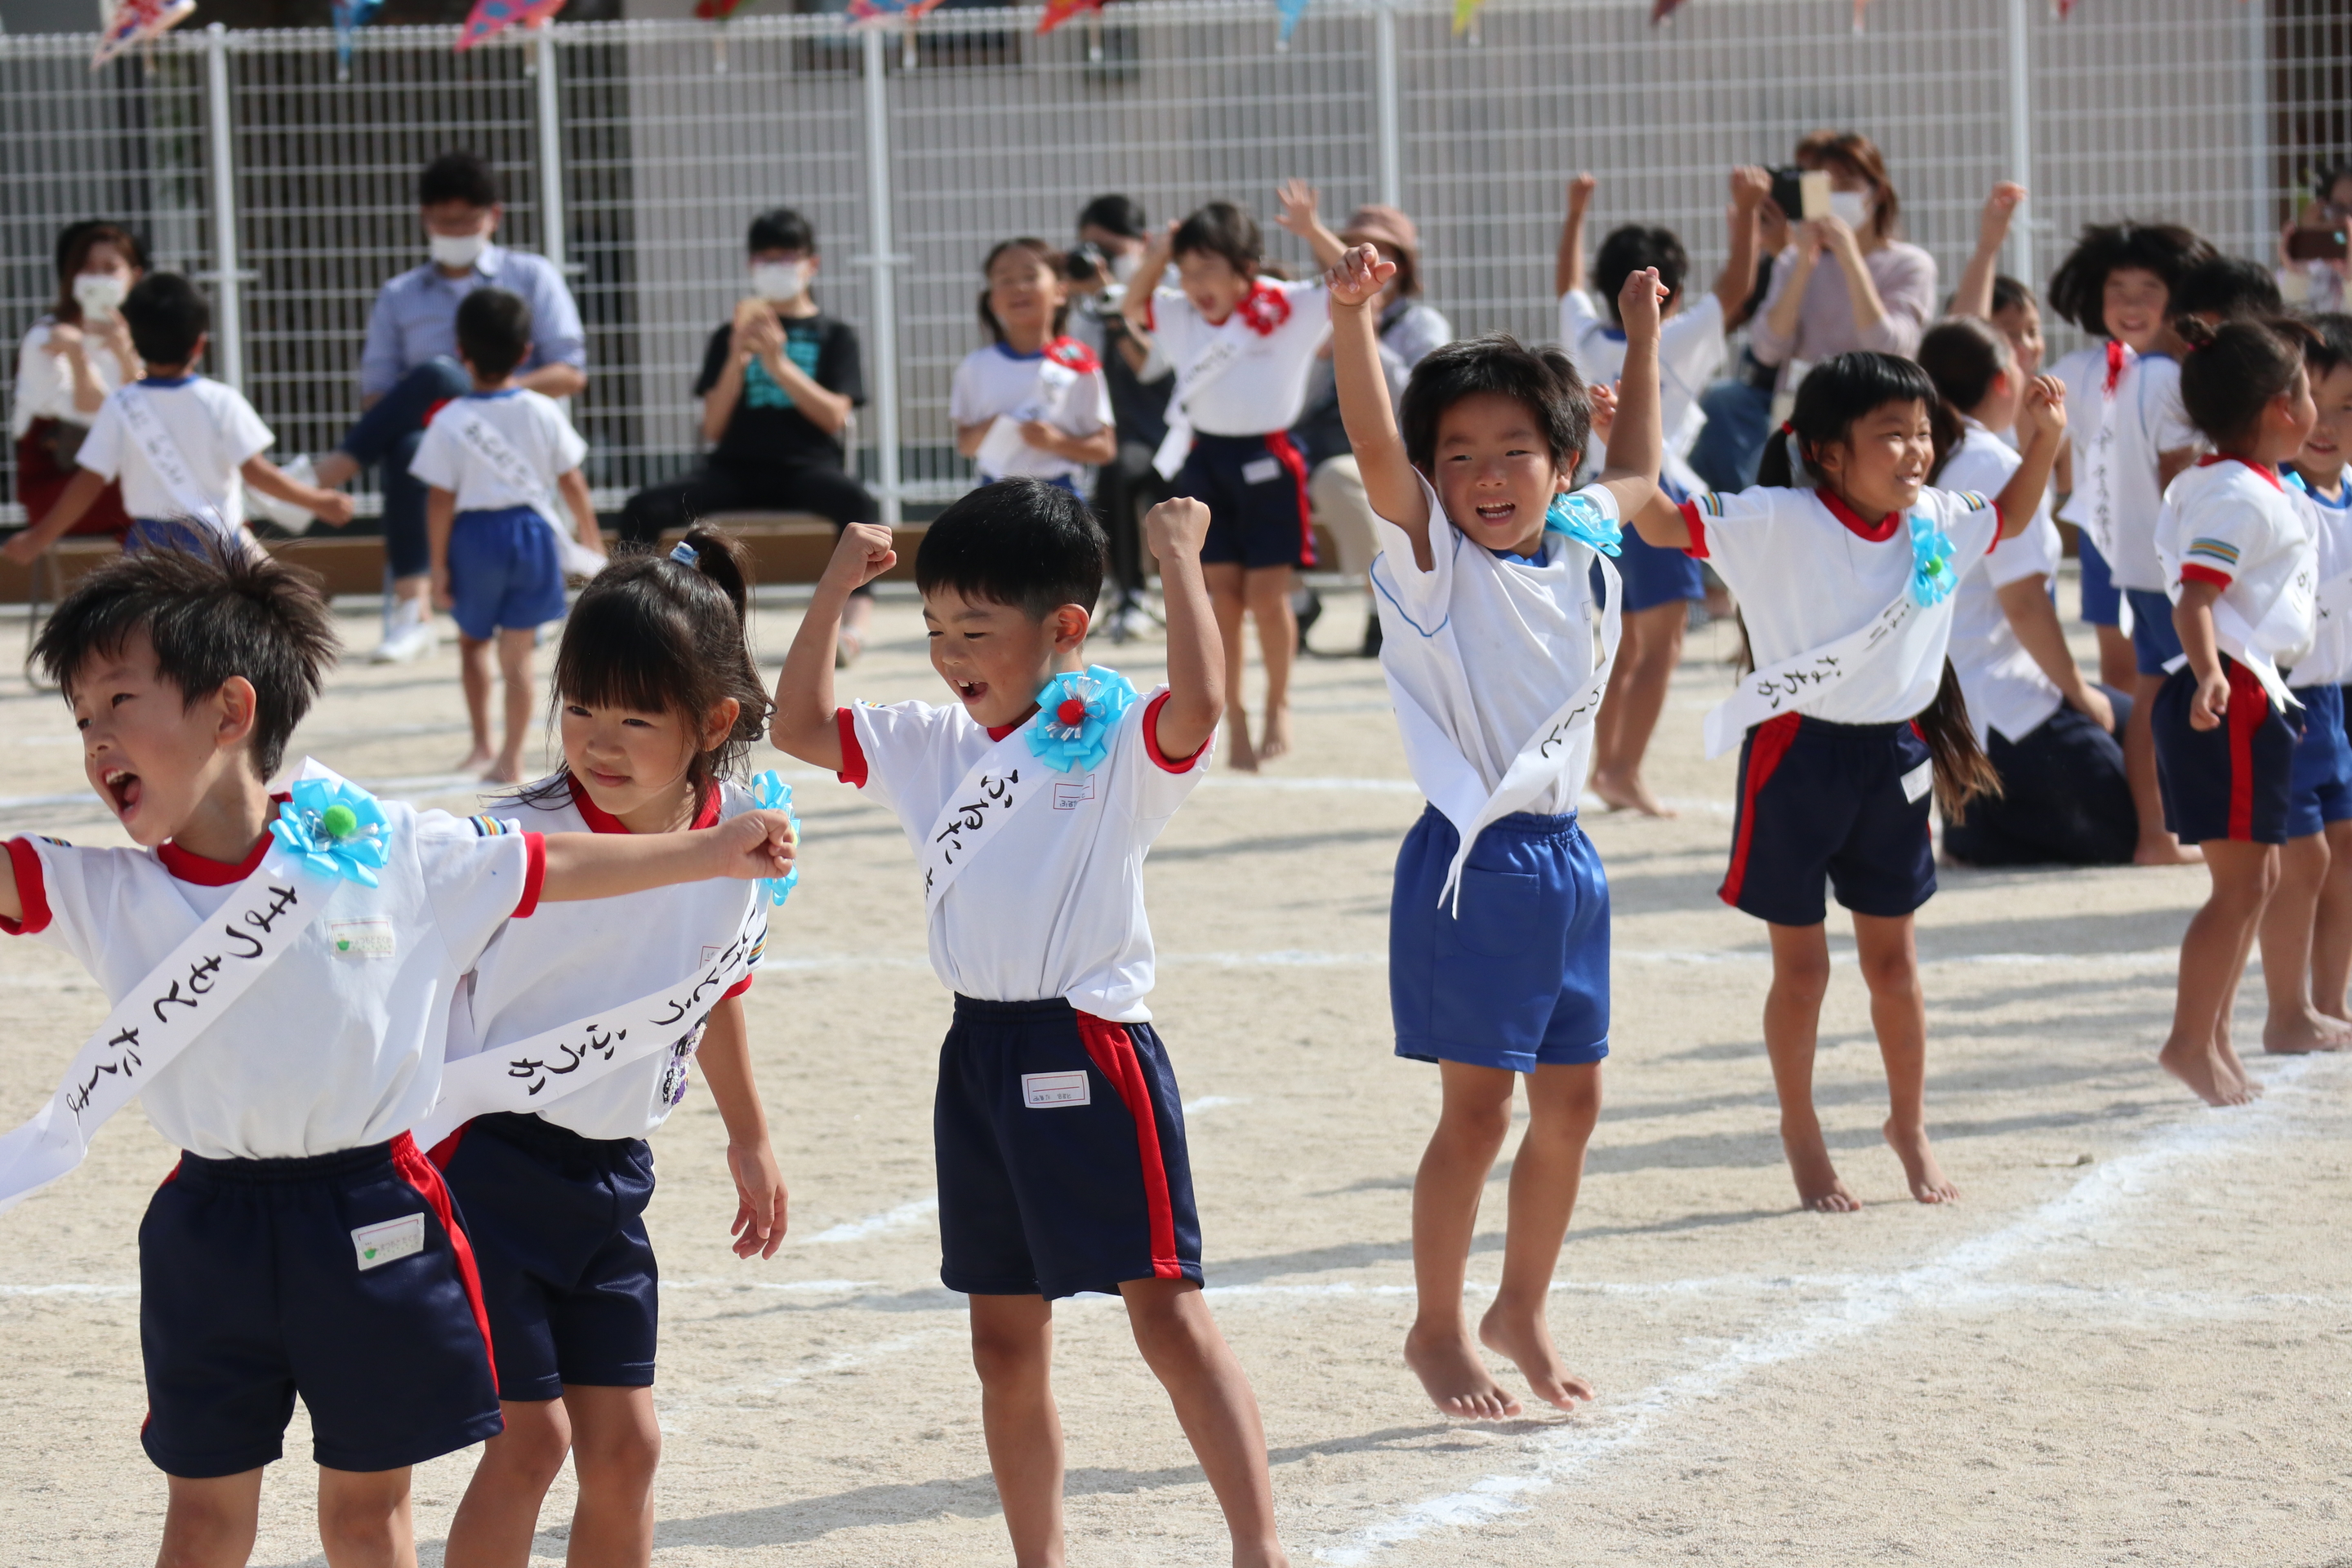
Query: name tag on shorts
point(1919, 781)
point(1261, 470)
point(362, 939)
point(380, 1244)
point(1052, 1090)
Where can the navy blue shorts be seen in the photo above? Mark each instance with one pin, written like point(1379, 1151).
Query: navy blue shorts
point(1061, 1154)
point(2321, 779)
point(559, 1229)
point(504, 571)
point(1520, 978)
point(1841, 803)
point(170, 533)
point(2154, 642)
point(1653, 576)
point(2102, 600)
point(1255, 489)
point(2235, 780)
point(343, 1278)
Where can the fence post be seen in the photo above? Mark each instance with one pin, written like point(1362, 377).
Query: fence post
point(551, 151)
point(2021, 134)
point(2261, 175)
point(879, 239)
point(229, 286)
point(1384, 99)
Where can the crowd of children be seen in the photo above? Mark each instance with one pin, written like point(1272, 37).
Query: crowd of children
point(371, 1000)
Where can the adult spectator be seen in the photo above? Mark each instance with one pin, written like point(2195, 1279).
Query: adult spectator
point(1112, 237)
point(1880, 292)
point(2316, 283)
point(410, 367)
point(69, 360)
point(778, 381)
point(1738, 406)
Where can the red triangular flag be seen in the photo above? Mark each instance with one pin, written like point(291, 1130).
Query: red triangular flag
point(1060, 10)
point(1661, 9)
point(1859, 8)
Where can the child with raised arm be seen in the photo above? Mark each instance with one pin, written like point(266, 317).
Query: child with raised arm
point(2243, 567)
point(291, 959)
point(658, 701)
point(1498, 930)
point(1659, 584)
point(1242, 346)
point(1030, 802)
point(1846, 562)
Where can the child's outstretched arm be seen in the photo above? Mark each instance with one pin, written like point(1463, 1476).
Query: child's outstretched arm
point(804, 722)
point(2192, 619)
point(332, 507)
point(1568, 266)
point(80, 491)
point(1750, 187)
point(1299, 201)
point(2041, 420)
point(1391, 485)
point(573, 486)
point(1637, 442)
point(1974, 296)
point(1135, 308)
point(609, 865)
point(1196, 651)
point(725, 1057)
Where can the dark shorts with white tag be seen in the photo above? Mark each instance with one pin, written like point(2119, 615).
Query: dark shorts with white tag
point(1841, 805)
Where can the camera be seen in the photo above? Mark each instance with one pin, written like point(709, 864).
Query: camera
point(1085, 263)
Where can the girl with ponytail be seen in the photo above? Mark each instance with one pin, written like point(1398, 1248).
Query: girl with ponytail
point(1845, 563)
point(657, 701)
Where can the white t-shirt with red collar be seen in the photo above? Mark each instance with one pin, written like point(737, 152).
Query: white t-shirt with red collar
point(2123, 414)
point(2006, 690)
point(572, 959)
point(1273, 333)
point(2228, 522)
point(1808, 570)
point(1061, 384)
point(1052, 904)
point(338, 1044)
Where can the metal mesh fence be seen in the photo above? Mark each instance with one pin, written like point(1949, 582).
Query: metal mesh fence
point(653, 143)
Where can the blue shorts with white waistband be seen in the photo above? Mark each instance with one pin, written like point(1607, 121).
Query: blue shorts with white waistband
point(2320, 791)
point(1844, 805)
point(2155, 643)
point(1062, 1164)
point(1519, 978)
point(343, 1278)
point(1255, 489)
point(2102, 600)
point(559, 1229)
point(504, 571)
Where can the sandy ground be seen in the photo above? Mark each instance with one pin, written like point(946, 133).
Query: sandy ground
point(2127, 1344)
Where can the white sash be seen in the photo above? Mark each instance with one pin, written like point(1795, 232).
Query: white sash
point(533, 1074)
point(2238, 640)
point(168, 462)
point(1003, 447)
point(482, 438)
point(985, 800)
point(1220, 356)
point(164, 1014)
point(1904, 629)
point(2332, 599)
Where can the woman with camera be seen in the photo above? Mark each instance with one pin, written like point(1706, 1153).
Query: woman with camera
point(69, 360)
point(1879, 291)
point(2313, 253)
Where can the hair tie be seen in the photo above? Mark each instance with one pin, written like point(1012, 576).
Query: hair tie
point(686, 554)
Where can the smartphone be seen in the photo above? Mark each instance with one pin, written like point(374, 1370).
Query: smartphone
point(1813, 194)
point(1788, 191)
point(2317, 245)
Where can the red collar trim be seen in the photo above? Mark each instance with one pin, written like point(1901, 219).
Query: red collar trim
point(2209, 459)
point(599, 820)
point(190, 866)
point(998, 732)
point(1877, 532)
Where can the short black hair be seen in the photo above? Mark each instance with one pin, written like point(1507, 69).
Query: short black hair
point(2228, 288)
point(2010, 293)
point(457, 176)
point(1115, 214)
point(1629, 249)
point(1023, 543)
point(1961, 356)
point(1836, 393)
point(167, 315)
point(782, 228)
point(493, 331)
point(1223, 229)
point(210, 614)
point(2078, 289)
point(2233, 370)
point(1544, 379)
point(2330, 344)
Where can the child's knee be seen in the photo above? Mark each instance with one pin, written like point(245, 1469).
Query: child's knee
point(360, 1517)
point(628, 1455)
point(1801, 977)
point(1007, 1357)
point(532, 1447)
point(1894, 974)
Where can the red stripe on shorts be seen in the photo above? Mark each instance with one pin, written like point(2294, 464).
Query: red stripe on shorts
point(2249, 706)
point(1278, 443)
point(1113, 1050)
point(1766, 747)
point(422, 1175)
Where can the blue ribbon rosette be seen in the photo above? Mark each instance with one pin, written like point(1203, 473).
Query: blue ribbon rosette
point(1075, 715)
point(1584, 522)
point(1932, 576)
point(775, 795)
point(336, 827)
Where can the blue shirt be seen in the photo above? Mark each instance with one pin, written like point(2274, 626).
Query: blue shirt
point(415, 317)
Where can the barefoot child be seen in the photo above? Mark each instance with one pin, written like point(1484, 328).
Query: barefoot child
point(1242, 346)
point(1030, 802)
point(1032, 402)
point(494, 461)
point(1845, 563)
point(657, 699)
point(2244, 565)
point(1498, 930)
point(292, 960)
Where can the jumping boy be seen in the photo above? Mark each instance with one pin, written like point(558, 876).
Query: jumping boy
point(494, 461)
point(1031, 802)
point(290, 963)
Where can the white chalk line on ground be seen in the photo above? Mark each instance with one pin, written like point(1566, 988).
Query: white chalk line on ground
point(1294, 958)
point(1867, 1303)
point(906, 1214)
point(1211, 1101)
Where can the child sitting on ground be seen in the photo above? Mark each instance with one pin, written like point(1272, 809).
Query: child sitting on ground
point(1499, 929)
point(1029, 804)
point(290, 962)
point(494, 461)
point(179, 441)
point(1033, 403)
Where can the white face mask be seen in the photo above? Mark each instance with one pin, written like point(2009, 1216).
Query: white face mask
point(1123, 265)
point(99, 294)
point(1853, 208)
point(779, 280)
point(456, 249)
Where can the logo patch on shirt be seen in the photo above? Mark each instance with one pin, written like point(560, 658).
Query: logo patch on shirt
point(1919, 781)
point(1261, 470)
point(362, 939)
point(380, 1244)
point(1068, 792)
point(1052, 1090)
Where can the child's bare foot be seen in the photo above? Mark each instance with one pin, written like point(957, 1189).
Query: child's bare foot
point(480, 756)
point(1627, 792)
point(2301, 1033)
point(506, 770)
point(2230, 1064)
point(2165, 851)
point(1278, 733)
point(1240, 756)
point(2197, 1064)
point(1455, 1378)
point(1818, 1187)
point(1928, 1182)
point(1526, 1338)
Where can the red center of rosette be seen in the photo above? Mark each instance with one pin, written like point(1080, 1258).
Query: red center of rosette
point(1072, 712)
